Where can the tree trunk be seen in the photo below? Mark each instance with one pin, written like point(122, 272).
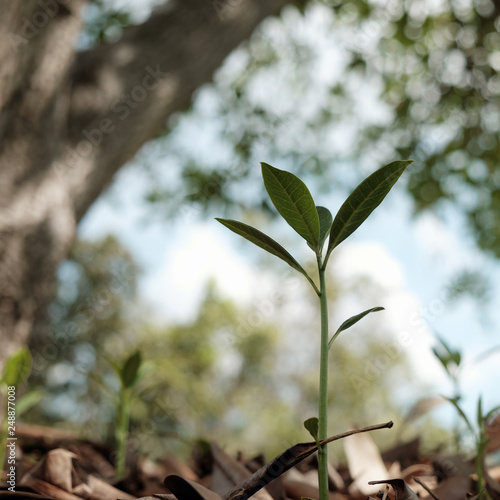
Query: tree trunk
point(69, 120)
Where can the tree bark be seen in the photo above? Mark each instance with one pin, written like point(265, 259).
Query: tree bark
point(69, 120)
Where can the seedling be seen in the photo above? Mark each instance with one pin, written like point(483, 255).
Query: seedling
point(16, 371)
point(479, 434)
point(453, 363)
point(129, 374)
point(315, 224)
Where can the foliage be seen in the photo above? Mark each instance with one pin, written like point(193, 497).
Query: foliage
point(294, 202)
point(479, 434)
point(15, 373)
point(103, 23)
point(91, 314)
point(129, 374)
point(433, 71)
point(208, 371)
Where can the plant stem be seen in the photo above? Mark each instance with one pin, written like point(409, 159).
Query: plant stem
point(121, 432)
point(323, 388)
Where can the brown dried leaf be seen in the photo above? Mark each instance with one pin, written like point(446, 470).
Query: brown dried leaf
point(401, 490)
point(158, 496)
point(492, 432)
point(56, 468)
point(492, 486)
point(50, 490)
point(226, 471)
point(174, 466)
point(365, 462)
point(298, 489)
point(21, 495)
point(185, 489)
point(285, 461)
point(100, 490)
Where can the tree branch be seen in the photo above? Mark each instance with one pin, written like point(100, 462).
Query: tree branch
point(123, 93)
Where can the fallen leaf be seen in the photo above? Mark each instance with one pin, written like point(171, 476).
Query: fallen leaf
point(492, 433)
point(492, 486)
point(285, 461)
point(22, 495)
point(365, 462)
point(185, 489)
point(227, 472)
point(45, 488)
point(401, 490)
point(298, 489)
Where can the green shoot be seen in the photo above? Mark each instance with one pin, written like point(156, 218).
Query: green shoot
point(315, 225)
point(453, 364)
point(128, 375)
point(15, 373)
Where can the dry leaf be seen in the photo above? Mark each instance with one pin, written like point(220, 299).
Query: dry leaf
point(492, 486)
point(492, 432)
point(185, 489)
point(285, 461)
point(365, 462)
point(21, 495)
point(44, 488)
point(401, 490)
point(298, 489)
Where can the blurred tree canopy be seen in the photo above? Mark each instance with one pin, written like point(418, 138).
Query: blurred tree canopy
point(357, 83)
point(329, 88)
point(217, 376)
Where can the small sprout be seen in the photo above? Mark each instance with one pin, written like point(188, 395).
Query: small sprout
point(129, 374)
point(311, 424)
point(315, 224)
point(15, 373)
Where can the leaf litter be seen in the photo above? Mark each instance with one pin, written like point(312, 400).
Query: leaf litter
point(73, 470)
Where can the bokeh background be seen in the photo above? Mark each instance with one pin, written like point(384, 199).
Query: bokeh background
point(330, 91)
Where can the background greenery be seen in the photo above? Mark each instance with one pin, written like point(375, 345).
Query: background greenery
point(335, 90)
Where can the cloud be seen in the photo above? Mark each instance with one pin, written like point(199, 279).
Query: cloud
point(177, 287)
point(405, 319)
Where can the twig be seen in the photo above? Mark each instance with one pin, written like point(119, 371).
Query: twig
point(426, 488)
point(285, 461)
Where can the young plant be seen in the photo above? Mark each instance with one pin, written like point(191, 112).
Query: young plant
point(480, 436)
point(129, 374)
point(315, 224)
point(15, 373)
point(453, 363)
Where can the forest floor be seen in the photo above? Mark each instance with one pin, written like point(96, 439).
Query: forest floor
point(52, 464)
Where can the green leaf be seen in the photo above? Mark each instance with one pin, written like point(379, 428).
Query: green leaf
point(17, 368)
point(293, 201)
point(448, 356)
point(352, 321)
point(312, 425)
point(454, 402)
point(265, 242)
point(363, 201)
point(325, 224)
point(480, 413)
point(130, 369)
